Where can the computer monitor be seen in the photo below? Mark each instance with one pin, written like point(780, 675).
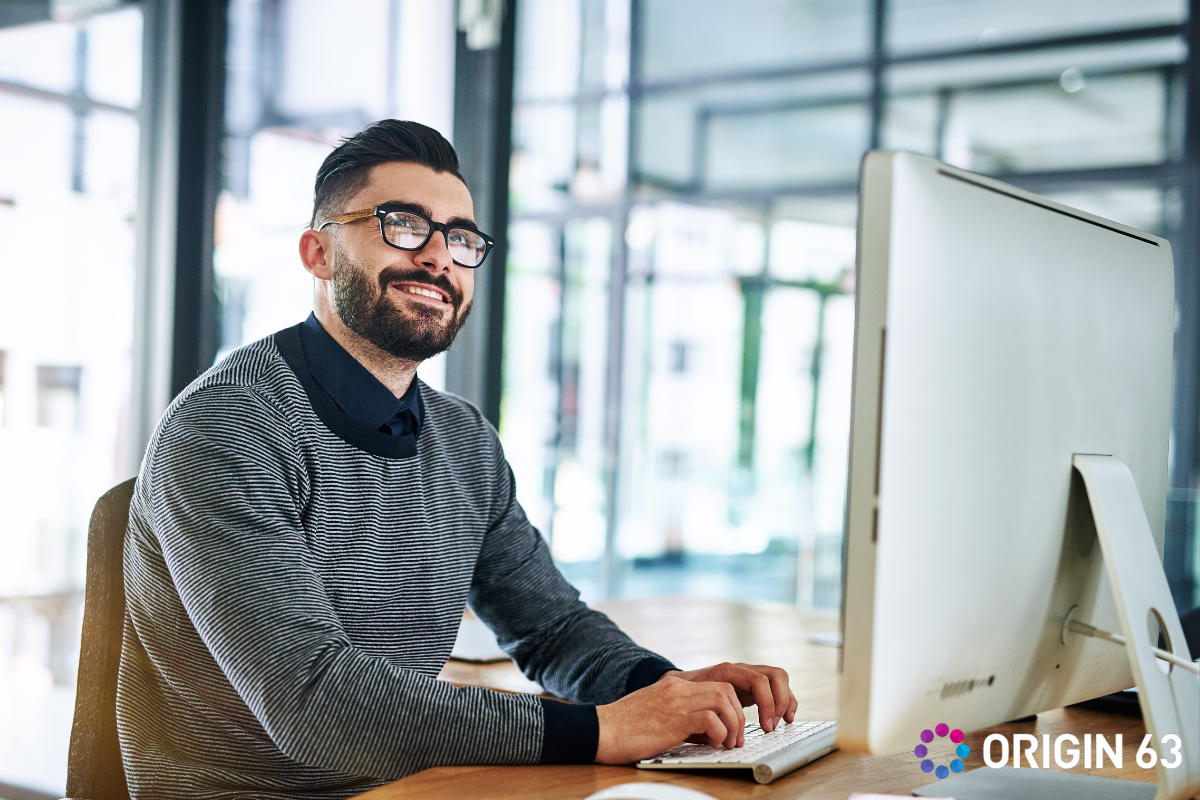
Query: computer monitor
point(998, 334)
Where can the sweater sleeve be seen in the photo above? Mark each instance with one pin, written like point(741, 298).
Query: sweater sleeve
point(575, 652)
point(221, 515)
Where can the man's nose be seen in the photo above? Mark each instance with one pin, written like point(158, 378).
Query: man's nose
point(436, 252)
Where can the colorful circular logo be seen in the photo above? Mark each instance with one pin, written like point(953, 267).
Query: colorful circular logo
point(940, 731)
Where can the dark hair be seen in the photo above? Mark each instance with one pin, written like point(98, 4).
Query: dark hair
point(346, 170)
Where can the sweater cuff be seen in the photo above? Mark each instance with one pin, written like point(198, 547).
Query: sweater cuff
point(572, 733)
point(646, 672)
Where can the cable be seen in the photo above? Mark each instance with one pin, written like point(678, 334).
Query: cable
point(1088, 630)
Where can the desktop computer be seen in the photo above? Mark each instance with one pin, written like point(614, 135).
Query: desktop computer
point(1008, 474)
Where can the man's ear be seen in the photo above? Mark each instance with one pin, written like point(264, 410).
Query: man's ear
point(316, 253)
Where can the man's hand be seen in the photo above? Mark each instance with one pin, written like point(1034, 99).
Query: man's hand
point(766, 687)
point(701, 705)
point(646, 722)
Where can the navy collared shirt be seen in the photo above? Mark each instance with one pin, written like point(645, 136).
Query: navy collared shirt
point(354, 389)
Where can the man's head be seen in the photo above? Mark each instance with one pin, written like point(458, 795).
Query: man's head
point(407, 303)
point(346, 171)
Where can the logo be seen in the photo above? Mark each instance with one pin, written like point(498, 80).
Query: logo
point(1148, 755)
point(941, 731)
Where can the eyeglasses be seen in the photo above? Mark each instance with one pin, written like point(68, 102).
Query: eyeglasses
point(407, 230)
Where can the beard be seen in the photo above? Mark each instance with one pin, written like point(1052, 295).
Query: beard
point(363, 305)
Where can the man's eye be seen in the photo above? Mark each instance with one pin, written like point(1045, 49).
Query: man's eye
point(405, 222)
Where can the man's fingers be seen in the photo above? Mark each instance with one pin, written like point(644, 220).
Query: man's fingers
point(761, 686)
point(767, 687)
point(772, 693)
point(739, 717)
point(784, 700)
point(710, 724)
point(703, 705)
point(720, 699)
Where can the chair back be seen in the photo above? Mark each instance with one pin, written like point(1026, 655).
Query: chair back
point(94, 768)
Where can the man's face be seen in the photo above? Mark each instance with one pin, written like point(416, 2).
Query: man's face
point(410, 304)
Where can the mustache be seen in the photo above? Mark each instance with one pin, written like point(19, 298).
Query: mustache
point(396, 275)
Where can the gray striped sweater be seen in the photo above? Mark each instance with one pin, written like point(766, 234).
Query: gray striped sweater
point(294, 584)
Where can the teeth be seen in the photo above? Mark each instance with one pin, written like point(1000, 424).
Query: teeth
point(425, 292)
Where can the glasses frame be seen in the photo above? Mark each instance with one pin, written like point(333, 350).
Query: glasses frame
point(381, 212)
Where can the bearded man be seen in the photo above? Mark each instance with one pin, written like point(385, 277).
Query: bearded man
point(311, 519)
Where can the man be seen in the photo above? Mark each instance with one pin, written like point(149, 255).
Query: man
point(310, 522)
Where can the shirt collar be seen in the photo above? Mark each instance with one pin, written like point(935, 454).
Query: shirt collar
point(351, 385)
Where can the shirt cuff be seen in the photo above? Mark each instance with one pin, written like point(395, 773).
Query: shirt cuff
point(572, 733)
point(646, 672)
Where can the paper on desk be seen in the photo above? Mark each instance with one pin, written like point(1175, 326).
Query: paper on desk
point(476, 643)
point(861, 796)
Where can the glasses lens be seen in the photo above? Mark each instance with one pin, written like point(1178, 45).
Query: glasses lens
point(466, 246)
point(405, 230)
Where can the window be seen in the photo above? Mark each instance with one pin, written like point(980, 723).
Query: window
point(68, 197)
point(288, 103)
point(681, 280)
point(58, 398)
point(678, 358)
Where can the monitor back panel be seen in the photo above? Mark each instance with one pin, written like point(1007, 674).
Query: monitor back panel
point(998, 333)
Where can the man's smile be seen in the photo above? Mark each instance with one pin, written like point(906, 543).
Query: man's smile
point(426, 292)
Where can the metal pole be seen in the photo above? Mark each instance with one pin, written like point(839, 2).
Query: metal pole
point(483, 100)
point(876, 62)
point(614, 385)
point(79, 112)
point(154, 270)
point(201, 112)
point(1179, 544)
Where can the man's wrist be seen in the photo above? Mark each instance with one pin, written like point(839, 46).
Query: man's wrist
point(572, 732)
point(646, 672)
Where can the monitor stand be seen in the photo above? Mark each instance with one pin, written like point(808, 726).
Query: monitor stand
point(1170, 701)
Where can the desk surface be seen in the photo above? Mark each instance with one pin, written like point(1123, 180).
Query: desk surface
point(695, 633)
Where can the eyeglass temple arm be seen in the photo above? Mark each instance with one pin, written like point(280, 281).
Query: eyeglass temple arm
point(349, 216)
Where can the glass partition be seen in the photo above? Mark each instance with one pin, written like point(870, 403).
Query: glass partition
point(927, 25)
point(681, 293)
point(68, 197)
point(684, 39)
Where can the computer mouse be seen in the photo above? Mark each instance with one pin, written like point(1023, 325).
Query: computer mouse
point(648, 791)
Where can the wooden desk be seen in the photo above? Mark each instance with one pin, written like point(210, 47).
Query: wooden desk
point(696, 633)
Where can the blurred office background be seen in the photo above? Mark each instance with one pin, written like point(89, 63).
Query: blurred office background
point(664, 337)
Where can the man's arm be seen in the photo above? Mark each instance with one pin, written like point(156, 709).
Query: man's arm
point(573, 651)
point(223, 520)
point(645, 705)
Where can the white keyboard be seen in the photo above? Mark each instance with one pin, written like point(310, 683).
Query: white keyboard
point(769, 755)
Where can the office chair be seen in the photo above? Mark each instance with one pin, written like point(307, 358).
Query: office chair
point(94, 768)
